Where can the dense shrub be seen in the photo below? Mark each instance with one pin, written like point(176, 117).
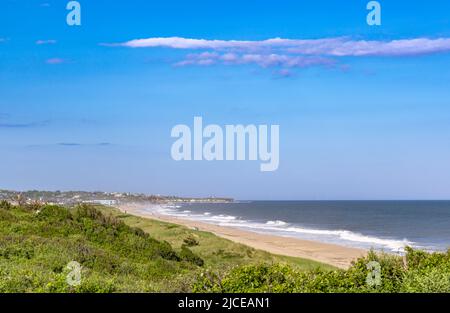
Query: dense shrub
point(6, 215)
point(54, 214)
point(191, 241)
point(5, 205)
point(187, 255)
point(424, 272)
point(36, 246)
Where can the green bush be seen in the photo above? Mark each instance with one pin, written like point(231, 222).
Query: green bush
point(5, 205)
point(36, 246)
point(424, 272)
point(54, 214)
point(191, 241)
point(187, 255)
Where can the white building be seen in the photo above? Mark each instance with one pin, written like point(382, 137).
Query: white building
point(104, 202)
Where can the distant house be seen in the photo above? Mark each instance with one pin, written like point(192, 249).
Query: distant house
point(103, 202)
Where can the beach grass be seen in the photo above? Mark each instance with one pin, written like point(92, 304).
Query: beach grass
point(219, 253)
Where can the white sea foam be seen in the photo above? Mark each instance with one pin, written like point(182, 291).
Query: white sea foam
point(172, 206)
point(286, 229)
point(223, 217)
point(391, 244)
point(338, 236)
point(276, 223)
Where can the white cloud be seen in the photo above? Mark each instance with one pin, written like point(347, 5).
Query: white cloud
point(46, 42)
point(287, 54)
point(337, 47)
point(262, 60)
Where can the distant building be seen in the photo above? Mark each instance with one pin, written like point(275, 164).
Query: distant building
point(103, 202)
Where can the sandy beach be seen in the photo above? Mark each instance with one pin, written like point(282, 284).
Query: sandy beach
point(339, 256)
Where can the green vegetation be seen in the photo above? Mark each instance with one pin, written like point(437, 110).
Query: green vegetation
point(422, 273)
point(124, 253)
point(220, 255)
point(36, 246)
point(117, 252)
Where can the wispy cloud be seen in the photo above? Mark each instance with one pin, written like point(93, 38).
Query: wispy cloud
point(286, 54)
point(24, 125)
point(283, 73)
point(71, 145)
point(54, 61)
point(262, 60)
point(77, 144)
point(7, 121)
point(337, 47)
point(46, 42)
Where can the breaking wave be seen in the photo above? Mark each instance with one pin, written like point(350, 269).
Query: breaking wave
point(284, 228)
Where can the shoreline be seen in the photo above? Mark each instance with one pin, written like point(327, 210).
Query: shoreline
point(336, 255)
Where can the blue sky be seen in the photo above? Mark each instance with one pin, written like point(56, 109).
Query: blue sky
point(364, 116)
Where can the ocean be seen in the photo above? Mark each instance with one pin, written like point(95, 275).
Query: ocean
point(381, 225)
